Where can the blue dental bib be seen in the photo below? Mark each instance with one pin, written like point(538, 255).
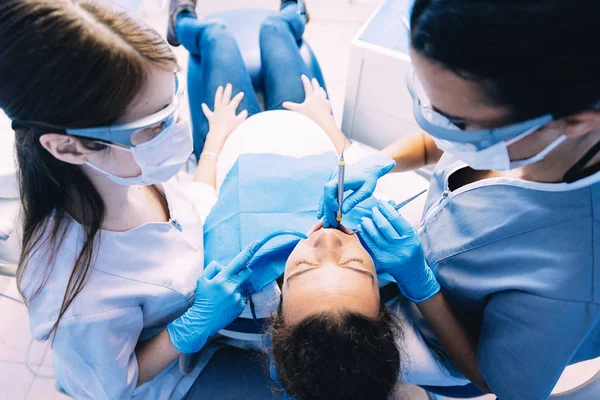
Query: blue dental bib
point(266, 193)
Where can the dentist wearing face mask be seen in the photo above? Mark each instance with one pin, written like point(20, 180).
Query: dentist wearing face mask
point(508, 98)
point(112, 266)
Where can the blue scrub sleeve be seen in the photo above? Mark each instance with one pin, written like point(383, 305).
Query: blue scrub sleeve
point(526, 341)
point(96, 354)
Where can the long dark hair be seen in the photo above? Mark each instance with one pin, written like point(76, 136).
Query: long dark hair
point(66, 63)
point(533, 56)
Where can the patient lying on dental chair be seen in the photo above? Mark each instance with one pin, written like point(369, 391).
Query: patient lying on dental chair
point(333, 325)
point(322, 297)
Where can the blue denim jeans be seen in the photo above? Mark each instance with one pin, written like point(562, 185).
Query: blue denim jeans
point(216, 60)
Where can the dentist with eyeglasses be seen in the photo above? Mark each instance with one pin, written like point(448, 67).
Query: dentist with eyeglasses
point(508, 99)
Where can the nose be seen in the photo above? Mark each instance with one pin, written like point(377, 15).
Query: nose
point(328, 239)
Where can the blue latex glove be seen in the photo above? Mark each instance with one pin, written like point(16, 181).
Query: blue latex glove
point(396, 249)
point(361, 178)
point(219, 300)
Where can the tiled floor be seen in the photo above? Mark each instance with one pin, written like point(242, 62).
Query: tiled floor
point(332, 27)
point(17, 382)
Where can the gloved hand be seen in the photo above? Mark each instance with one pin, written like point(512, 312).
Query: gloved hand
point(219, 300)
point(361, 178)
point(396, 249)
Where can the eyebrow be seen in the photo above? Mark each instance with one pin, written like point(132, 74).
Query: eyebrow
point(449, 116)
point(162, 108)
point(359, 270)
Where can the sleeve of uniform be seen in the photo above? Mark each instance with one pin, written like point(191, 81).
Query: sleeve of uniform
point(97, 354)
point(203, 197)
point(355, 152)
point(419, 365)
point(526, 341)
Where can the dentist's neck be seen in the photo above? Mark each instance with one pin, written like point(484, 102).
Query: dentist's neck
point(555, 165)
point(121, 202)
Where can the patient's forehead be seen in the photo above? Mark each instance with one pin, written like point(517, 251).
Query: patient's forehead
point(329, 290)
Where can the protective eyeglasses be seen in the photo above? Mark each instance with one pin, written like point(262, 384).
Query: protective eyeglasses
point(142, 130)
point(443, 128)
point(128, 134)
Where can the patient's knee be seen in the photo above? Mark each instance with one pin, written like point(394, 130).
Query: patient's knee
point(215, 29)
point(194, 34)
point(272, 25)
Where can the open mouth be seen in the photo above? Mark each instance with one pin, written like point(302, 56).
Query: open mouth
point(319, 225)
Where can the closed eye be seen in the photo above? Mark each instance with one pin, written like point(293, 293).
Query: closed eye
point(306, 262)
point(354, 259)
point(349, 267)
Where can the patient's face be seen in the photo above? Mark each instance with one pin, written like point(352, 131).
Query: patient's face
point(329, 271)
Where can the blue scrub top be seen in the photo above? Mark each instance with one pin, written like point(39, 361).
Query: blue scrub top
point(518, 261)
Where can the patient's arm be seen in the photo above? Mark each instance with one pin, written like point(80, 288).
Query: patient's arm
point(222, 121)
point(413, 152)
point(317, 107)
point(207, 171)
point(457, 342)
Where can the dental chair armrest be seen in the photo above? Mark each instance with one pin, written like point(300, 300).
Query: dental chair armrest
point(586, 390)
point(8, 270)
point(175, 8)
point(6, 228)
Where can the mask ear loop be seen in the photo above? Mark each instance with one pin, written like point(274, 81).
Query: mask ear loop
point(523, 135)
point(578, 171)
point(114, 146)
point(105, 173)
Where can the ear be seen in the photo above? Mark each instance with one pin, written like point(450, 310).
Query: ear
point(582, 123)
point(65, 148)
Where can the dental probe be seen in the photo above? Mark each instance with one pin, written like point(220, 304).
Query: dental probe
point(340, 194)
point(405, 202)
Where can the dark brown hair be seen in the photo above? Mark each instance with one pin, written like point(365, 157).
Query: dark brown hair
point(342, 355)
point(71, 64)
point(532, 56)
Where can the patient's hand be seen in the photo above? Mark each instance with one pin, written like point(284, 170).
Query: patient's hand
point(316, 106)
point(223, 119)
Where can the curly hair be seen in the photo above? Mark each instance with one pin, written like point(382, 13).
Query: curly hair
point(340, 355)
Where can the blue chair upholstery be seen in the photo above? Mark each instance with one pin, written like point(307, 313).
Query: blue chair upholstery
point(469, 391)
point(245, 24)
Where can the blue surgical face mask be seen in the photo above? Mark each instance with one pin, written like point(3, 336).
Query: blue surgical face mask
point(485, 149)
point(159, 159)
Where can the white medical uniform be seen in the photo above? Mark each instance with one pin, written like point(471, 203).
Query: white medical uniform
point(145, 278)
point(141, 280)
